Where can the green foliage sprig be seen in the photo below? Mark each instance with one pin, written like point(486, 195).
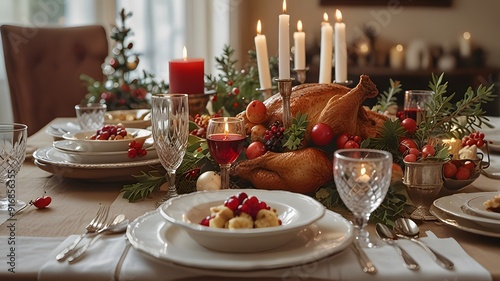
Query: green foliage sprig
point(445, 120)
point(294, 135)
point(235, 89)
point(388, 98)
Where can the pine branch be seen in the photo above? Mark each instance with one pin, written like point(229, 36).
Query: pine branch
point(388, 98)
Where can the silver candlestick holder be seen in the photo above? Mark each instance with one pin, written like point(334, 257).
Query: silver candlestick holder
point(343, 83)
point(266, 93)
point(285, 90)
point(301, 74)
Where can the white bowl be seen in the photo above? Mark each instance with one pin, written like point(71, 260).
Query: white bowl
point(296, 212)
point(83, 139)
point(133, 118)
point(74, 151)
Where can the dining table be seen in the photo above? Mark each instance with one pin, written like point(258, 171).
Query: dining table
point(30, 240)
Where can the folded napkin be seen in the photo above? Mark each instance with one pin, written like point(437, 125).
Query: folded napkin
point(27, 257)
point(111, 259)
point(98, 264)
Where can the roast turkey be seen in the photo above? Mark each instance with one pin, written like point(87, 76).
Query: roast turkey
point(306, 169)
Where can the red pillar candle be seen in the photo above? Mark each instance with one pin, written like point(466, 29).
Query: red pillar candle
point(187, 75)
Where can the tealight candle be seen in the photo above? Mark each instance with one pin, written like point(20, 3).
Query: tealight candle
point(363, 178)
point(396, 56)
point(454, 147)
point(187, 75)
point(325, 63)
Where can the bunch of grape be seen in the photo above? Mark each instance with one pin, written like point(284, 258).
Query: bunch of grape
point(274, 136)
point(474, 138)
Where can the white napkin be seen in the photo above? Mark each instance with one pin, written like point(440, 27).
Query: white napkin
point(98, 264)
point(30, 253)
point(103, 257)
point(343, 266)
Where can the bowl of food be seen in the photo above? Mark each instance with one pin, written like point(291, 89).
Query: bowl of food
point(108, 138)
point(458, 174)
point(133, 118)
point(242, 221)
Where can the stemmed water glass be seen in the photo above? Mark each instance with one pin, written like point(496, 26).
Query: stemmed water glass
point(13, 138)
point(225, 138)
point(170, 123)
point(362, 177)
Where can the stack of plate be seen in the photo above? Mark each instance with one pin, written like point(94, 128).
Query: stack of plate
point(466, 211)
point(80, 158)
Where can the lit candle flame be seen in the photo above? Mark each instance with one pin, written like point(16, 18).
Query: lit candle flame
point(184, 53)
point(399, 48)
point(325, 17)
point(299, 26)
point(466, 35)
point(226, 128)
point(338, 15)
point(284, 6)
point(259, 27)
point(363, 171)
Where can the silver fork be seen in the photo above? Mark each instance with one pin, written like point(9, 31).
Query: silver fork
point(96, 223)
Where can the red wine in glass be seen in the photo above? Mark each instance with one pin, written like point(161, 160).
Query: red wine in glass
point(416, 114)
point(225, 148)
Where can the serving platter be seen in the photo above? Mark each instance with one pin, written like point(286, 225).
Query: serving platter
point(156, 238)
point(55, 162)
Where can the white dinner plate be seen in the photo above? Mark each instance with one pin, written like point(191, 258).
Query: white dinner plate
point(53, 161)
point(454, 204)
point(461, 223)
point(155, 237)
point(476, 207)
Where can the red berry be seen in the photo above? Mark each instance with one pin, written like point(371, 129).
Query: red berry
point(142, 152)
point(351, 144)
point(232, 203)
point(242, 196)
point(410, 158)
point(42, 202)
point(462, 173)
point(449, 170)
point(132, 152)
point(206, 221)
point(409, 125)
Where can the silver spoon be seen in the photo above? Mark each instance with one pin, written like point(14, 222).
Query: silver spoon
point(119, 224)
point(408, 229)
point(389, 236)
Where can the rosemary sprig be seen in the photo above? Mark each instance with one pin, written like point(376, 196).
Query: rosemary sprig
point(388, 98)
point(445, 120)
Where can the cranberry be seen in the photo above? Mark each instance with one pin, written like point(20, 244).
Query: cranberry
point(42, 202)
point(206, 221)
point(232, 203)
point(132, 152)
point(242, 196)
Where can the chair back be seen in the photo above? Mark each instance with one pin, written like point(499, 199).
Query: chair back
point(43, 69)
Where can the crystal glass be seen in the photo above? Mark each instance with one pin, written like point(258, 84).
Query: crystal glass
point(415, 104)
point(362, 177)
point(90, 116)
point(170, 123)
point(12, 153)
point(225, 138)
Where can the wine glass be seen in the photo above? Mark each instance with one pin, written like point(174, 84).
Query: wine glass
point(362, 177)
point(225, 138)
point(13, 138)
point(170, 123)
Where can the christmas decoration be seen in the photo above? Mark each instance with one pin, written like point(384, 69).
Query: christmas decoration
point(120, 90)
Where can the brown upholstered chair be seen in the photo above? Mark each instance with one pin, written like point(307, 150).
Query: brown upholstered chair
point(44, 66)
